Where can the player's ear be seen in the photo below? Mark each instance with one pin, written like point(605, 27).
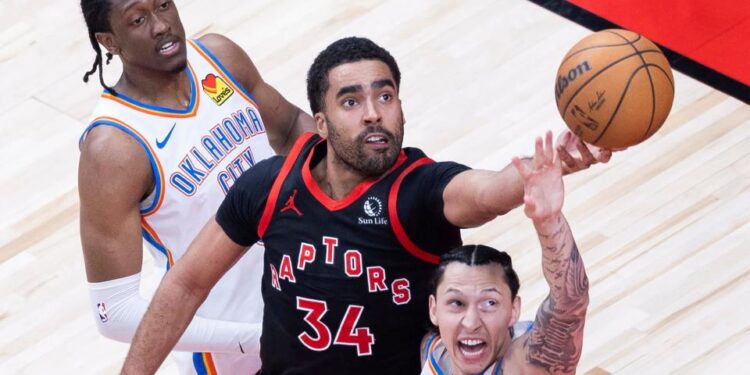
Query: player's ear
point(515, 312)
point(321, 125)
point(108, 41)
point(433, 310)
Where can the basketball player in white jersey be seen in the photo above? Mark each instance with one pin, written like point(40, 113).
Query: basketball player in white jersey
point(163, 147)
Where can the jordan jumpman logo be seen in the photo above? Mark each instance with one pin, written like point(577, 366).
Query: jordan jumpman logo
point(289, 205)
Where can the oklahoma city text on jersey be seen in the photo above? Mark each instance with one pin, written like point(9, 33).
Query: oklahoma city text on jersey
point(213, 148)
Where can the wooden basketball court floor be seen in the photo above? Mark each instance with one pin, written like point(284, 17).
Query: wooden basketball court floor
point(664, 228)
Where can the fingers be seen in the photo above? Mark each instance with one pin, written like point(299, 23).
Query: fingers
point(604, 155)
point(549, 151)
point(564, 155)
point(538, 152)
point(586, 156)
point(521, 167)
point(563, 139)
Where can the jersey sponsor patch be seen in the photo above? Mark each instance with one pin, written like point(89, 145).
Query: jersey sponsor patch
point(373, 210)
point(216, 89)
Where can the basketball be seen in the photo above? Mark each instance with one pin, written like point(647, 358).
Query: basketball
point(614, 88)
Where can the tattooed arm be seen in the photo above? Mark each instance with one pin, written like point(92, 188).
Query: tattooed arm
point(554, 344)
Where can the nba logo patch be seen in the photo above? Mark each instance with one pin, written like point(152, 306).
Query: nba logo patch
point(216, 89)
point(102, 312)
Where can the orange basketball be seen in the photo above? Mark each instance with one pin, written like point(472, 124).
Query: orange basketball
point(614, 88)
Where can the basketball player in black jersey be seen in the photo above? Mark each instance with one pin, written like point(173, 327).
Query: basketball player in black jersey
point(352, 223)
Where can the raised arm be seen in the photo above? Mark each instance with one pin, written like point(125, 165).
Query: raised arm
point(554, 344)
point(180, 293)
point(284, 121)
point(475, 197)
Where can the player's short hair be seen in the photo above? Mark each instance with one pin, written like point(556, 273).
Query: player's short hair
point(478, 255)
point(342, 51)
point(96, 15)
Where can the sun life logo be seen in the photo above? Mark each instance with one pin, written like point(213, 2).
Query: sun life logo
point(373, 208)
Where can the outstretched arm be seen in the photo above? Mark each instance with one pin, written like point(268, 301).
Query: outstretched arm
point(180, 293)
point(554, 344)
point(475, 197)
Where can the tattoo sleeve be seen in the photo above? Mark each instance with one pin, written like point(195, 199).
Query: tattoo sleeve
point(556, 340)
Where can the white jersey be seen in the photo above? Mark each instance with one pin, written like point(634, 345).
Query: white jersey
point(195, 155)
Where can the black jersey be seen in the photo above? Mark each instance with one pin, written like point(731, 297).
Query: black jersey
point(345, 283)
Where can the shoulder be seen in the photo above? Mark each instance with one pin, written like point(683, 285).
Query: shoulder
point(218, 44)
point(261, 176)
point(426, 170)
point(429, 341)
point(111, 147)
point(113, 161)
point(515, 359)
point(231, 56)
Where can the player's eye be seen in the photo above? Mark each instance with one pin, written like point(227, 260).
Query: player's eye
point(164, 5)
point(348, 103)
point(138, 20)
point(386, 97)
point(489, 304)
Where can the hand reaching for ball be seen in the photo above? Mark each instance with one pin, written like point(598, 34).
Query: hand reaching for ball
point(542, 181)
point(577, 155)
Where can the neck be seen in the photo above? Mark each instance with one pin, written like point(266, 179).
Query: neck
point(171, 90)
point(334, 177)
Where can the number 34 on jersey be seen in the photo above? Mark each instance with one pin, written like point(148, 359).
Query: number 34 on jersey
point(347, 334)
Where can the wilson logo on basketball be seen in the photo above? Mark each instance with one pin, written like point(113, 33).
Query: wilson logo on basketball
point(564, 80)
point(216, 89)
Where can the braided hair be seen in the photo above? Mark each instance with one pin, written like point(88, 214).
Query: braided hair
point(478, 255)
point(96, 14)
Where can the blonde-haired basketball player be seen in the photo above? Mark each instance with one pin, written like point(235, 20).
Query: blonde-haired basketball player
point(164, 145)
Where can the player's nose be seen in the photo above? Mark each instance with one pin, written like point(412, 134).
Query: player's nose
point(159, 26)
point(471, 320)
point(371, 112)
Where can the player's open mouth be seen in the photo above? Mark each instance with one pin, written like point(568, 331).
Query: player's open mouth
point(377, 142)
point(376, 139)
point(471, 348)
point(169, 48)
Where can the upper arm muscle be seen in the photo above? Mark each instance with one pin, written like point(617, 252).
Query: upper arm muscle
point(113, 176)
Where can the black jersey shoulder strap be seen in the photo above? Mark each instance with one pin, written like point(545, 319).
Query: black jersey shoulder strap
point(396, 226)
point(273, 195)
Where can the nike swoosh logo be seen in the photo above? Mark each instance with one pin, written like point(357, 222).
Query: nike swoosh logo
point(161, 144)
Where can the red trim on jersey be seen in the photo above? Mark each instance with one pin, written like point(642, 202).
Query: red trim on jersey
point(356, 193)
point(276, 188)
point(398, 229)
point(208, 360)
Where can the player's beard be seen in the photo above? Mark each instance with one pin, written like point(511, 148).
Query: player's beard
point(354, 155)
point(179, 68)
